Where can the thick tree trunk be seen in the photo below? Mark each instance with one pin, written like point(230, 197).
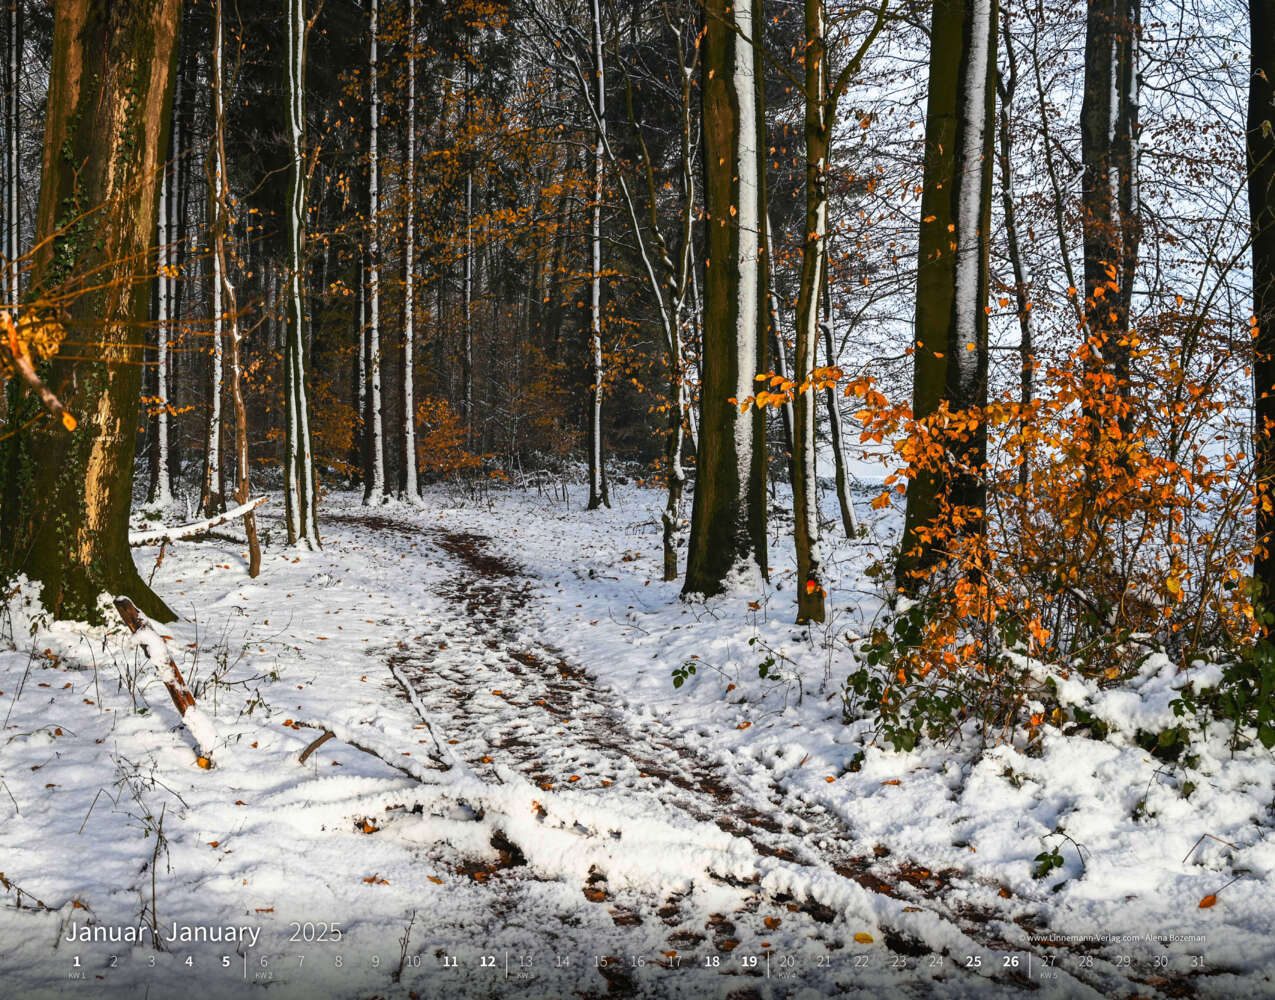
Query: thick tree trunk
point(106, 138)
point(597, 470)
point(1261, 200)
point(728, 519)
point(298, 469)
point(1108, 149)
point(950, 360)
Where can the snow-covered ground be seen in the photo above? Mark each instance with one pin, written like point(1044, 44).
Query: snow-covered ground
point(519, 802)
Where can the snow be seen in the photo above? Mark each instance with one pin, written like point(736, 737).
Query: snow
point(582, 808)
point(749, 223)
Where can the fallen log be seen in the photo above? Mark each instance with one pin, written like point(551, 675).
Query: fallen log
point(179, 531)
point(156, 650)
point(326, 734)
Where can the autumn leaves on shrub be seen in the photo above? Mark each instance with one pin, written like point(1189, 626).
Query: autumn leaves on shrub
point(1117, 523)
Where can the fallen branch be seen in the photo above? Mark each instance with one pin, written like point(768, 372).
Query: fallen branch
point(327, 734)
point(195, 527)
point(152, 644)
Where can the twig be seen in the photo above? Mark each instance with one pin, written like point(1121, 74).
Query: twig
point(403, 943)
point(1209, 836)
point(327, 735)
point(89, 813)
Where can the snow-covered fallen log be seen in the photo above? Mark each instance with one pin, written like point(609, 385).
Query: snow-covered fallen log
point(156, 650)
point(158, 535)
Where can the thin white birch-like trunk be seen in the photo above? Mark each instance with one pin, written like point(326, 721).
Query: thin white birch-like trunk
point(467, 361)
point(13, 177)
point(167, 193)
point(411, 489)
point(374, 489)
point(597, 473)
point(302, 510)
point(214, 492)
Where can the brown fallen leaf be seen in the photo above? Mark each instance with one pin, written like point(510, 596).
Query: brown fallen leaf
point(1209, 900)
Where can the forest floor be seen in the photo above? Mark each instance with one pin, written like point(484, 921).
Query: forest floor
point(518, 802)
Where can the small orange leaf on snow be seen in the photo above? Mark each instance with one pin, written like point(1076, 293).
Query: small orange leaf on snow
point(1209, 900)
point(213, 843)
point(497, 692)
point(486, 760)
point(287, 722)
point(743, 725)
point(574, 777)
point(240, 802)
point(77, 905)
point(863, 938)
point(771, 923)
point(594, 895)
point(890, 781)
point(368, 827)
point(436, 881)
point(729, 945)
point(265, 909)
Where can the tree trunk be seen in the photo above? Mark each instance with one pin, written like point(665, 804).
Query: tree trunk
point(849, 522)
point(411, 488)
point(298, 467)
point(950, 359)
point(728, 518)
point(214, 493)
point(1108, 137)
point(221, 225)
point(805, 484)
point(597, 471)
point(374, 488)
point(13, 171)
point(72, 516)
point(1261, 201)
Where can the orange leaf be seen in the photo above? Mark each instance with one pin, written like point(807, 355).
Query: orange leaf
point(1209, 900)
point(863, 938)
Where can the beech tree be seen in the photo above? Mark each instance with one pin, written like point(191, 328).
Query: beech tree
point(90, 270)
point(728, 515)
point(950, 341)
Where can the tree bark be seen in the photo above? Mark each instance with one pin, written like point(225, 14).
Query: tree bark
point(298, 470)
point(597, 471)
point(950, 359)
point(411, 488)
point(1261, 200)
point(374, 488)
point(728, 517)
point(110, 92)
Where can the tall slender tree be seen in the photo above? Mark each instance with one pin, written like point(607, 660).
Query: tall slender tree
point(1261, 201)
point(598, 494)
point(13, 161)
point(298, 467)
point(70, 515)
point(410, 491)
point(374, 481)
point(950, 358)
point(728, 516)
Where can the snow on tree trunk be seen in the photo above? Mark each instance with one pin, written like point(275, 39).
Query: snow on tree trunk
point(805, 485)
point(728, 518)
point(950, 355)
point(411, 489)
point(221, 226)
point(597, 471)
point(214, 489)
point(298, 468)
point(374, 489)
point(161, 492)
point(104, 57)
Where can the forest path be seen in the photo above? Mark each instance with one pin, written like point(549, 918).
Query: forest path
point(502, 696)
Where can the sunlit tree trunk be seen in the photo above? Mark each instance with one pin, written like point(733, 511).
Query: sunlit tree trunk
point(298, 470)
point(950, 359)
point(214, 490)
point(849, 521)
point(597, 471)
point(1261, 200)
point(728, 518)
point(71, 517)
point(161, 491)
point(374, 487)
